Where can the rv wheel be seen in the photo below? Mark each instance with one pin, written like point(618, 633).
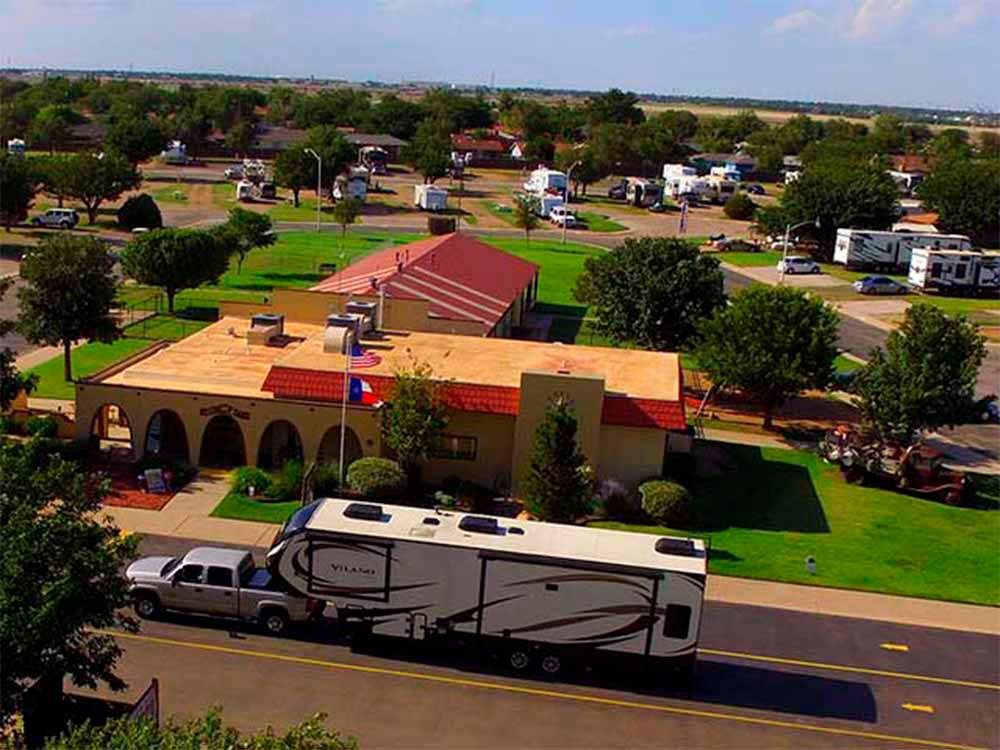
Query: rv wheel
point(519, 660)
point(551, 664)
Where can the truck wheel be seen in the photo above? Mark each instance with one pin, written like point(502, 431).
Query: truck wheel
point(519, 660)
point(275, 621)
point(146, 606)
point(551, 664)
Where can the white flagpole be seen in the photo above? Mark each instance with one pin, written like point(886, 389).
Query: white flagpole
point(343, 405)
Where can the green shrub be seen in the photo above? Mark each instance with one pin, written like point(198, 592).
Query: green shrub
point(376, 478)
point(140, 211)
point(326, 479)
point(7, 426)
point(246, 477)
point(666, 502)
point(286, 482)
point(42, 426)
point(740, 207)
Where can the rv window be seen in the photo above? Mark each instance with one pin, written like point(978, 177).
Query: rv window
point(960, 271)
point(677, 621)
point(297, 521)
point(935, 270)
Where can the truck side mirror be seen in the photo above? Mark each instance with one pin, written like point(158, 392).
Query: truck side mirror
point(175, 579)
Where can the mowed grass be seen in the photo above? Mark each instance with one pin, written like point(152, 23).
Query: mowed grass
point(750, 260)
point(560, 265)
point(86, 360)
point(172, 193)
point(305, 211)
point(599, 222)
point(243, 508)
point(766, 510)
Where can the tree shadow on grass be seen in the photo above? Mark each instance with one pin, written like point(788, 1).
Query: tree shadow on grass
point(735, 486)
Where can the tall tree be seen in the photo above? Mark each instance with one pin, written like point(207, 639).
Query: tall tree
point(771, 343)
point(136, 138)
point(70, 287)
point(52, 124)
point(240, 137)
point(926, 376)
point(345, 212)
point(337, 154)
point(651, 291)
point(61, 581)
point(176, 259)
point(295, 169)
point(413, 416)
point(965, 195)
point(587, 168)
point(558, 485)
point(430, 151)
point(12, 382)
point(246, 231)
point(17, 189)
point(54, 175)
point(94, 179)
point(614, 106)
point(526, 214)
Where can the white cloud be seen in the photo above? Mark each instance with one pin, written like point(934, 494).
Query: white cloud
point(423, 6)
point(874, 17)
point(796, 21)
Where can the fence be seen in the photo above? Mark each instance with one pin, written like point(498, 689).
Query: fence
point(148, 317)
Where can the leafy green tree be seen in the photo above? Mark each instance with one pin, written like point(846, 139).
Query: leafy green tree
point(94, 179)
point(52, 125)
point(926, 376)
point(888, 135)
point(346, 212)
point(140, 211)
point(17, 189)
point(652, 291)
point(414, 416)
point(176, 259)
point(333, 149)
point(770, 161)
point(771, 343)
point(395, 116)
point(770, 221)
point(62, 580)
point(965, 195)
point(429, 153)
point(246, 231)
point(526, 214)
point(989, 145)
point(614, 106)
point(192, 126)
point(558, 485)
point(53, 175)
point(70, 288)
point(12, 382)
point(135, 138)
point(740, 207)
point(613, 145)
point(539, 149)
point(587, 168)
point(295, 169)
point(841, 194)
point(202, 733)
point(656, 143)
point(948, 145)
point(240, 137)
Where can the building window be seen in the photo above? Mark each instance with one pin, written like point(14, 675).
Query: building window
point(456, 447)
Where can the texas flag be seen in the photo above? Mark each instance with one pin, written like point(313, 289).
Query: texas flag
point(360, 391)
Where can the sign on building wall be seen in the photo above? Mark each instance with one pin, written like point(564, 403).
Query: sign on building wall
point(224, 410)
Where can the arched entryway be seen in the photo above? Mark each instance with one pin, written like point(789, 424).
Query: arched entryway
point(329, 447)
point(167, 437)
point(111, 435)
point(222, 443)
point(279, 443)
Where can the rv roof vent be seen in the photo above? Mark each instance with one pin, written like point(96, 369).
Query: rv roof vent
point(480, 525)
point(432, 521)
point(683, 547)
point(515, 530)
point(365, 512)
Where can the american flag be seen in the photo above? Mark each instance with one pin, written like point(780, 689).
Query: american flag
point(683, 226)
point(360, 358)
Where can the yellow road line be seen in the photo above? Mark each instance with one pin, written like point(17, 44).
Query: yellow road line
point(520, 689)
point(846, 668)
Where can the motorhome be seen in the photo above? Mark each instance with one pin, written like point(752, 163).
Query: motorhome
point(546, 181)
point(883, 251)
point(644, 193)
point(538, 595)
point(244, 191)
point(959, 271)
point(374, 159)
point(353, 185)
point(546, 202)
point(15, 147)
point(430, 197)
point(175, 153)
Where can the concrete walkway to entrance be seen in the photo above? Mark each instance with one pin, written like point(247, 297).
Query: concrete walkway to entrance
point(188, 516)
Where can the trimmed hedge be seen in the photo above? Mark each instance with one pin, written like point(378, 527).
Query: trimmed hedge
point(740, 207)
point(42, 426)
point(326, 479)
point(286, 482)
point(246, 477)
point(376, 478)
point(666, 502)
point(140, 211)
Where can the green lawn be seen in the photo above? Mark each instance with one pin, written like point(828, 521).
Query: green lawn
point(845, 365)
point(502, 211)
point(766, 510)
point(305, 211)
point(764, 258)
point(87, 360)
point(561, 264)
point(164, 328)
point(172, 193)
point(599, 222)
point(243, 508)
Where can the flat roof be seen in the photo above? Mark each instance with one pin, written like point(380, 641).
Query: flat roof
point(550, 540)
point(218, 360)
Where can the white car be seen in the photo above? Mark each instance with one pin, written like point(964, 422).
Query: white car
point(560, 215)
point(64, 218)
point(798, 264)
point(234, 172)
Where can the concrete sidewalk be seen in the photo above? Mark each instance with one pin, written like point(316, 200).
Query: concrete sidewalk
point(187, 515)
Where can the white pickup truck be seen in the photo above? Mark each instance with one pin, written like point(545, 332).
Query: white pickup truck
point(219, 582)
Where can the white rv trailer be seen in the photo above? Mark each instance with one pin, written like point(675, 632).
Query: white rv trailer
point(725, 173)
point(430, 197)
point(644, 193)
point(962, 271)
point(721, 189)
point(15, 147)
point(546, 202)
point(374, 159)
point(539, 595)
point(672, 171)
point(244, 190)
point(175, 153)
point(354, 185)
point(866, 249)
point(544, 181)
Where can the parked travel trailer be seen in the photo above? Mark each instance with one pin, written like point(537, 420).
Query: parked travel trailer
point(906, 182)
point(882, 251)
point(354, 185)
point(961, 271)
point(546, 181)
point(374, 159)
point(727, 172)
point(430, 198)
point(537, 595)
point(645, 193)
point(244, 190)
point(15, 147)
point(175, 153)
point(721, 189)
point(547, 202)
point(673, 171)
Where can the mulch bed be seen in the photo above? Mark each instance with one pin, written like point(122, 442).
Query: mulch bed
point(126, 492)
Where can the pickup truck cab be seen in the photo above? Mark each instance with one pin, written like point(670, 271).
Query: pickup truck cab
point(217, 582)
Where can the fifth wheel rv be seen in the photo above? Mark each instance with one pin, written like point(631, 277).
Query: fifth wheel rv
point(885, 251)
point(536, 595)
point(955, 271)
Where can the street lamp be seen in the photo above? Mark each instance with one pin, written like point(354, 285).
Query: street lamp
point(319, 183)
point(565, 218)
point(784, 247)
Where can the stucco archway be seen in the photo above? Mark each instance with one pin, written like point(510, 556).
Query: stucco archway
point(166, 436)
point(111, 434)
point(280, 442)
point(222, 443)
point(329, 446)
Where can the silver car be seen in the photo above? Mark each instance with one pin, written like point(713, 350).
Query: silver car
point(798, 264)
point(879, 285)
point(64, 218)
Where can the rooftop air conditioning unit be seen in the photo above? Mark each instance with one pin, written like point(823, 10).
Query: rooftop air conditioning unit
point(369, 314)
point(341, 331)
point(265, 327)
point(264, 320)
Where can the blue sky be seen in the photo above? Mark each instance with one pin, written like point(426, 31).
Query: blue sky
point(917, 52)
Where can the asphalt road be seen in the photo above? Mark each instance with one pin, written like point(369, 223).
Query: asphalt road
point(766, 679)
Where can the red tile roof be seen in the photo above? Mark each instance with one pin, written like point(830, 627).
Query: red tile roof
point(462, 142)
point(322, 385)
point(462, 277)
point(909, 163)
